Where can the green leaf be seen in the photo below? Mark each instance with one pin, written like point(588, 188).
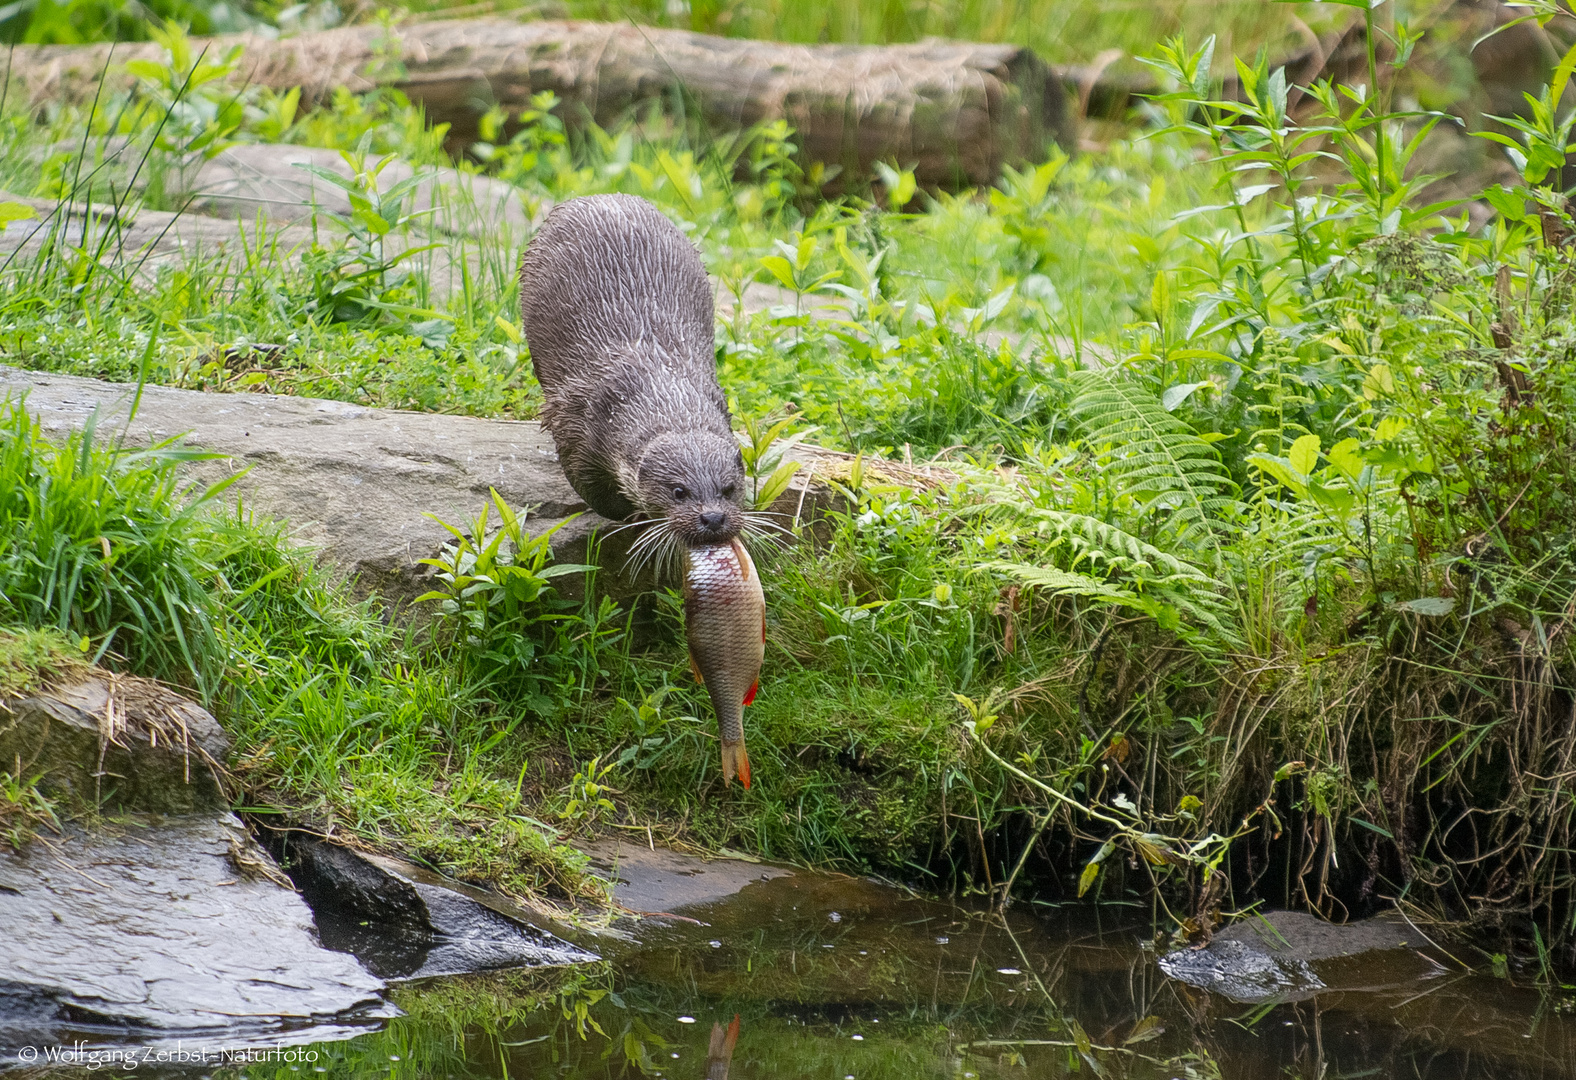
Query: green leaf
point(376, 223)
point(1347, 459)
point(1304, 454)
point(1280, 469)
point(1081, 1038)
point(1153, 457)
point(1176, 395)
point(1333, 498)
point(1509, 203)
point(1375, 828)
point(1086, 880)
point(776, 484)
point(1150, 1027)
point(1428, 605)
point(900, 184)
point(15, 211)
point(781, 269)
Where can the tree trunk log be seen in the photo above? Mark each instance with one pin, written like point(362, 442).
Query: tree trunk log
point(955, 112)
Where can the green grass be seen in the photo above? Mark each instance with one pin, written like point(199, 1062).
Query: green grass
point(99, 543)
point(1247, 519)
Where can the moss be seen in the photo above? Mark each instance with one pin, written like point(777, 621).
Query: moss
point(31, 659)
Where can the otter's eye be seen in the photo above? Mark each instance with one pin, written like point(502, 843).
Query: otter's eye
point(727, 492)
point(680, 493)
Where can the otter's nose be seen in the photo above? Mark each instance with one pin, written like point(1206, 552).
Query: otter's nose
point(713, 520)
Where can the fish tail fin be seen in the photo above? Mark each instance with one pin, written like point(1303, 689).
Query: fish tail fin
point(736, 762)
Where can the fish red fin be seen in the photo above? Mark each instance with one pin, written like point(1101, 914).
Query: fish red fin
point(695, 670)
point(749, 698)
point(736, 762)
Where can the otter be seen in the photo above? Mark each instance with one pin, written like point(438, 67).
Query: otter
point(618, 317)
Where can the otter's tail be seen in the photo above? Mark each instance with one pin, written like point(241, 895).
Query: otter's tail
point(735, 762)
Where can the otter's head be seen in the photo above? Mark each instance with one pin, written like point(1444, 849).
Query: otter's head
point(695, 481)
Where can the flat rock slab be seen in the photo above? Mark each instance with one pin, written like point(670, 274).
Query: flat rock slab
point(357, 483)
point(140, 242)
point(1291, 956)
point(166, 926)
point(277, 182)
point(651, 880)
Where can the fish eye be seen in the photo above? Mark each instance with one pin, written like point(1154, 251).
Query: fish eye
point(679, 492)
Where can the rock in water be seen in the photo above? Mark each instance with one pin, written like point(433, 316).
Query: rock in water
point(164, 925)
point(1291, 956)
point(166, 917)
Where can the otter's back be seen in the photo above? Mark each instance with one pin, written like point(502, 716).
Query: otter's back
point(606, 271)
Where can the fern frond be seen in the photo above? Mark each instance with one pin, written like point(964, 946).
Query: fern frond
point(1154, 457)
point(1099, 541)
point(1168, 607)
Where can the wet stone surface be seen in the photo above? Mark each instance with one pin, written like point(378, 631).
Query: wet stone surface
point(1279, 956)
point(651, 880)
point(162, 924)
point(405, 923)
point(833, 976)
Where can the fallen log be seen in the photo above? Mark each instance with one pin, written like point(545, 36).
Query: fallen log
point(955, 112)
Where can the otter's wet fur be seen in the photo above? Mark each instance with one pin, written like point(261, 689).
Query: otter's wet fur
point(618, 315)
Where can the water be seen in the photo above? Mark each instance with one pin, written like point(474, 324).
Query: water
point(834, 977)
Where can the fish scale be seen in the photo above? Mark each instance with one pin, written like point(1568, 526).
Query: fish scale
point(725, 623)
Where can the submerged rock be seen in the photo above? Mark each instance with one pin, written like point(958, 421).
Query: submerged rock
point(1290, 956)
point(408, 923)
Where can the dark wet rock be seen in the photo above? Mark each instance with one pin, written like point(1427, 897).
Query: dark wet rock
point(1290, 956)
point(163, 924)
point(117, 742)
point(652, 880)
point(1243, 972)
point(408, 923)
point(361, 484)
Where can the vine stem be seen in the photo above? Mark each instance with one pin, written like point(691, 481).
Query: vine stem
point(1034, 781)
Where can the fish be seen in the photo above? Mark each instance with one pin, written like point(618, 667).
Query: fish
point(725, 623)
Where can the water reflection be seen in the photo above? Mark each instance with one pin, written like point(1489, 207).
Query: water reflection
point(828, 977)
point(719, 1055)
